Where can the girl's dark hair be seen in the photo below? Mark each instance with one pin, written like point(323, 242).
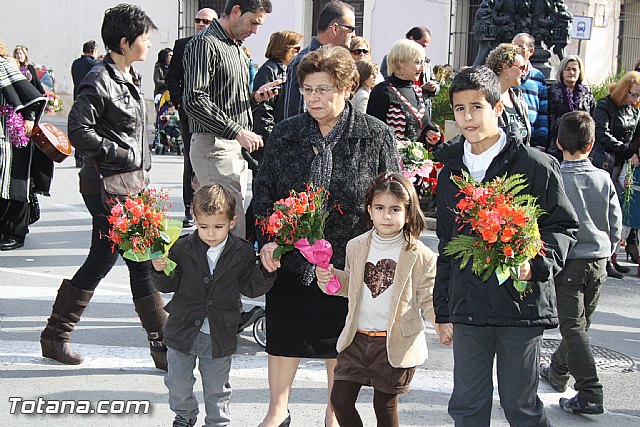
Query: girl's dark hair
point(402, 189)
point(124, 20)
point(365, 70)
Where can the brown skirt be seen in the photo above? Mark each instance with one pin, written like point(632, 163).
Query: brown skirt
point(365, 362)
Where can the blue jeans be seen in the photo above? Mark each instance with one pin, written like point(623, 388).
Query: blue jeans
point(215, 382)
point(517, 350)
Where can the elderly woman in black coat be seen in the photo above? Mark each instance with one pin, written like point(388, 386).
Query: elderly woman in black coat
point(567, 94)
point(329, 145)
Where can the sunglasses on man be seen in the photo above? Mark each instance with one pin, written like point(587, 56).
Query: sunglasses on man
point(202, 20)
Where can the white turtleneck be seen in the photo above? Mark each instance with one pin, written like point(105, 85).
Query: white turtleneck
point(379, 273)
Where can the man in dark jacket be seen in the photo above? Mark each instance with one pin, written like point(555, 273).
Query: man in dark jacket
point(80, 68)
point(482, 318)
point(175, 82)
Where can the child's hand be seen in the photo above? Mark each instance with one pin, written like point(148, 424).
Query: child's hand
point(266, 257)
point(445, 333)
point(525, 272)
point(159, 264)
point(323, 275)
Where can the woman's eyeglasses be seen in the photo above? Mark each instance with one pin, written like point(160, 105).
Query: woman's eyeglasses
point(201, 20)
point(634, 95)
point(360, 51)
point(320, 90)
point(296, 49)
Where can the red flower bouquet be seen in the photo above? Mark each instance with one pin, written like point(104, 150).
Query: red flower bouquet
point(140, 227)
point(504, 228)
point(297, 222)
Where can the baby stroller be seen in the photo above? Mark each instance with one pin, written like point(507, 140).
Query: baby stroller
point(167, 136)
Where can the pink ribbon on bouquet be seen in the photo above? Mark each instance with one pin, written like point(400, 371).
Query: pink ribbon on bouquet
point(319, 254)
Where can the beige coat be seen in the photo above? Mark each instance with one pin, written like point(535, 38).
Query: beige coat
point(412, 290)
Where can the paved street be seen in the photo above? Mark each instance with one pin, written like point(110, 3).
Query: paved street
point(118, 367)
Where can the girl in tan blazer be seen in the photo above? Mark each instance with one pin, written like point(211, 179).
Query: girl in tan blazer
point(388, 279)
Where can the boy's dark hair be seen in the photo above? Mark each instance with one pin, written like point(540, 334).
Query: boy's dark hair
point(417, 33)
point(89, 47)
point(477, 78)
point(251, 6)
point(403, 190)
point(331, 12)
point(124, 20)
point(214, 199)
point(576, 131)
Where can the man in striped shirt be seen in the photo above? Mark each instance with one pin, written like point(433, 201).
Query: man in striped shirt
point(534, 92)
point(218, 102)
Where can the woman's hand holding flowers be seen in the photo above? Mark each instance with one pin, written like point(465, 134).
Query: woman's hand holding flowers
point(266, 257)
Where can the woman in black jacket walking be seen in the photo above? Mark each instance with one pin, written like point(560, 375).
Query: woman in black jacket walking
point(617, 118)
point(107, 125)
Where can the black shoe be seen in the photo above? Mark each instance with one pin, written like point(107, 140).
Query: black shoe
point(612, 272)
point(620, 268)
point(249, 317)
point(180, 421)
point(188, 221)
point(576, 405)
point(546, 375)
point(10, 244)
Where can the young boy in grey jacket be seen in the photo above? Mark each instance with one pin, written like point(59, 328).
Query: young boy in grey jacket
point(594, 199)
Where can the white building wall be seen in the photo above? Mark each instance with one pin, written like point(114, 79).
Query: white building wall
point(54, 31)
point(599, 54)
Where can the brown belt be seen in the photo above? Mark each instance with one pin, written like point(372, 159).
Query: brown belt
point(373, 333)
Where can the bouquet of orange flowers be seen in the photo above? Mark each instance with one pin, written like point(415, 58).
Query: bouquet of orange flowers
point(141, 228)
point(297, 222)
point(504, 225)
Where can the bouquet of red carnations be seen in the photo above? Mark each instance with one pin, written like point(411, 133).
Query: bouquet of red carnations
point(141, 228)
point(504, 227)
point(298, 222)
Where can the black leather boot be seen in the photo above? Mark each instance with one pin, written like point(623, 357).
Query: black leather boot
point(68, 307)
point(612, 272)
point(150, 309)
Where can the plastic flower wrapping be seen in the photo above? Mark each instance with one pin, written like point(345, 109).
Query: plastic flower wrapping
point(418, 165)
point(141, 228)
point(297, 222)
point(14, 126)
point(504, 226)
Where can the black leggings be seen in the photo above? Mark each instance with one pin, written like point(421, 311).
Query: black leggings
point(343, 399)
point(101, 258)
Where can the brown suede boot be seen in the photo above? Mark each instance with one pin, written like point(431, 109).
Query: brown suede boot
point(150, 309)
point(67, 309)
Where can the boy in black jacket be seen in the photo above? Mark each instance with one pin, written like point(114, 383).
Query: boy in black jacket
point(214, 268)
point(484, 319)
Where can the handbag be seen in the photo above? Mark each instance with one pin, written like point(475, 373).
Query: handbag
point(34, 208)
point(602, 160)
point(126, 183)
